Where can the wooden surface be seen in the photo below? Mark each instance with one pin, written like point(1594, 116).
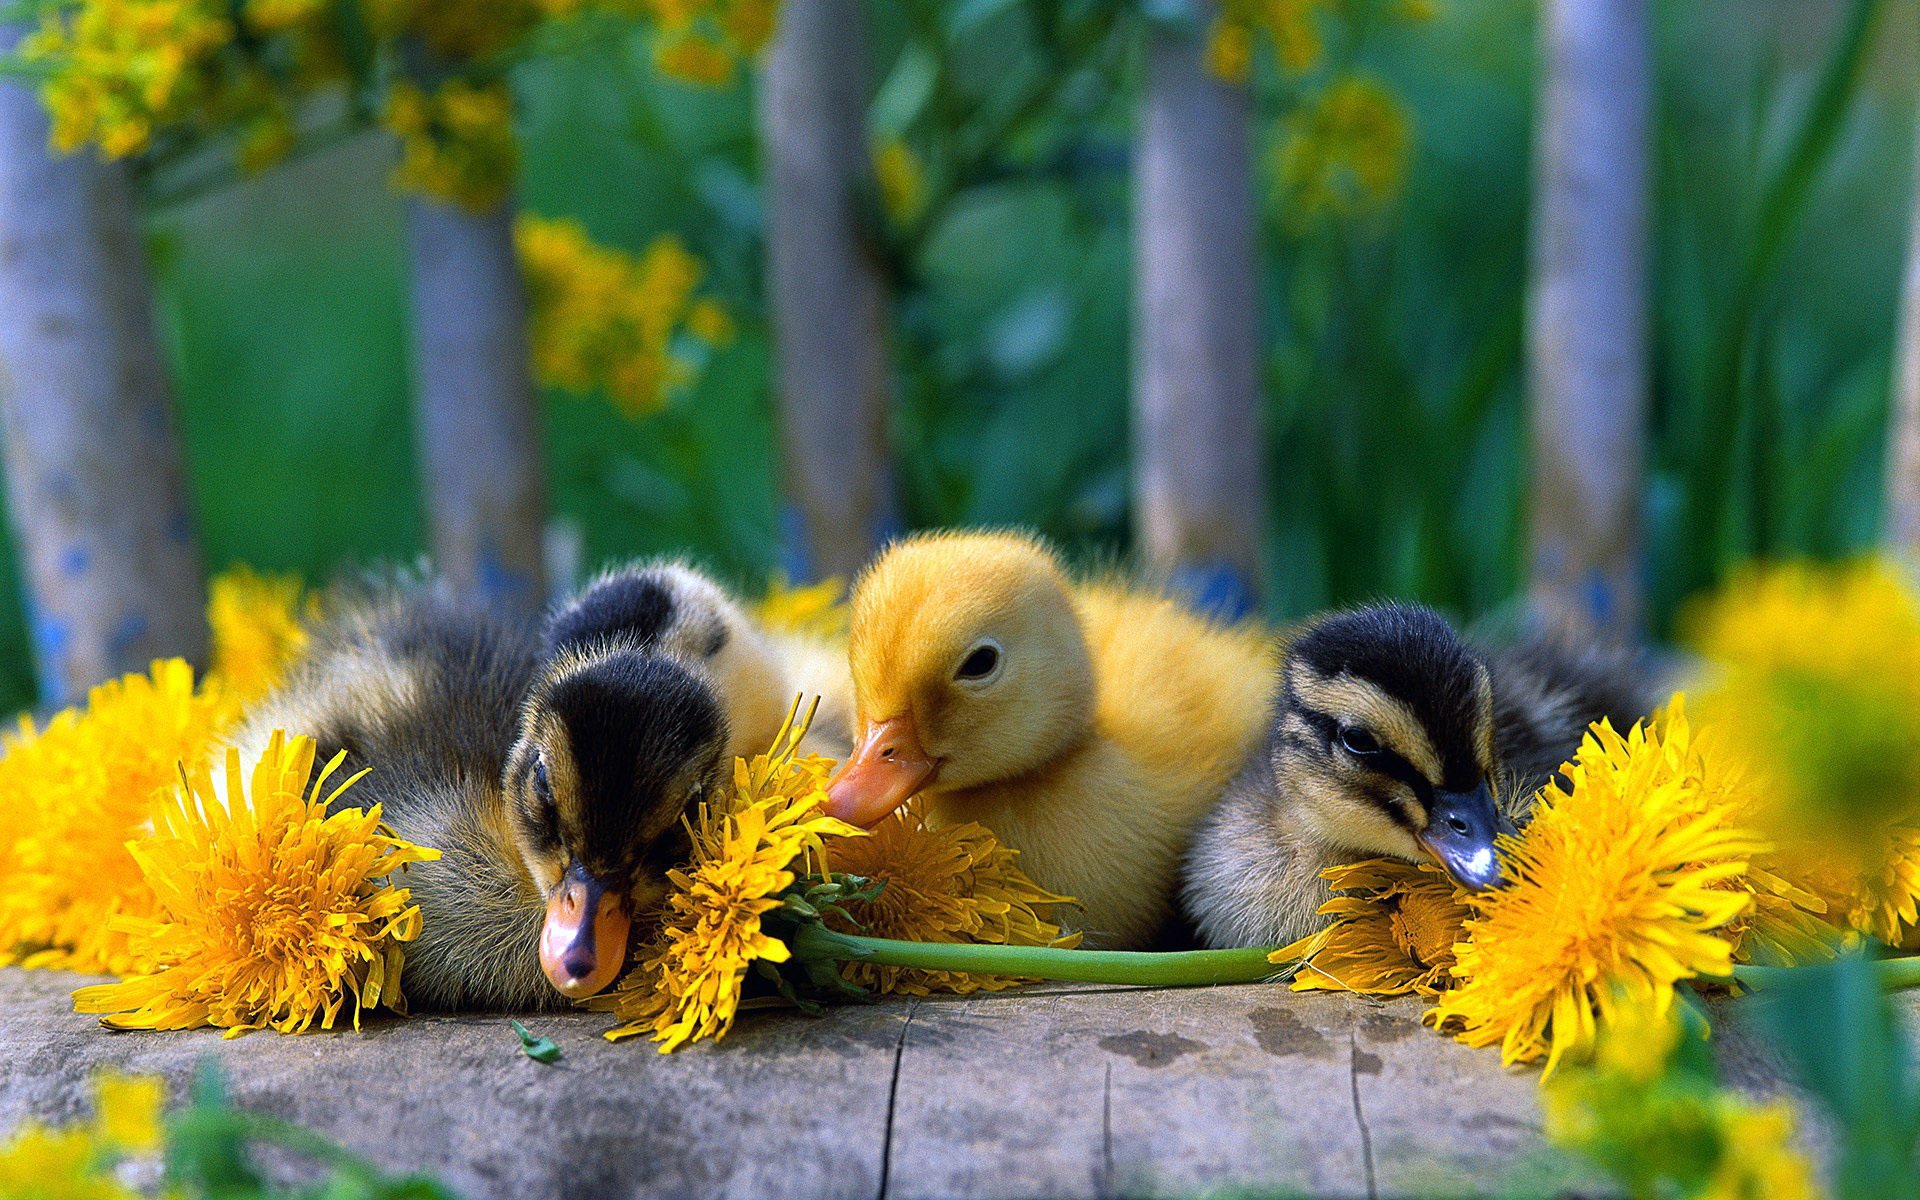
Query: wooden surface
point(1067, 1092)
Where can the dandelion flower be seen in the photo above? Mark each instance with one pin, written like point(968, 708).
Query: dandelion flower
point(79, 1161)
point(1397, 923)
point(258, 624)
point(689, 981)
point(1621, 888)
point(75, 792)
point(1658, 1129)
point(1814, 688)
point(1345, 152)
point(271, 912)
point(953, 884)
point(814, 609)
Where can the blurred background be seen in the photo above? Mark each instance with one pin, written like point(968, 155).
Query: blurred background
point(1393, 179)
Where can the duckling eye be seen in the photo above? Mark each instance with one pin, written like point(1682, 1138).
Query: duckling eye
point(1358, 742)
point(981, 663)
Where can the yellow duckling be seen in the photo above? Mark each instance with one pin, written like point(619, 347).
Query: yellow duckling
point(1089, 724)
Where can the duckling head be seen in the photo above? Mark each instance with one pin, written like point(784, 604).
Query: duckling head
point(969, 667)
point(614, 749)
point(1385, 740)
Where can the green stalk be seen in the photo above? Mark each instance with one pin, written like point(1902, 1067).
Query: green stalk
point(1894, 974)
point(1177, 968)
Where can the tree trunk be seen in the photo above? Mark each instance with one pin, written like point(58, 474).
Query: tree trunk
point(1902, 532)
point(1198, 453)
point(828, 295)
point(1587, 314)
point(102, 530)
point(476, 409)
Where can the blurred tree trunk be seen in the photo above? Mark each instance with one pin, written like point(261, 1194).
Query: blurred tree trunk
point(1198, 455)
point(1903, 439)
point(1587, 313)
point(476, 408)
point(828, 295)
point(102, 531)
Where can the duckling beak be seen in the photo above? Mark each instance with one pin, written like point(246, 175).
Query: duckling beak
point(583, 945)
point(887, 769)
point(1460, 833)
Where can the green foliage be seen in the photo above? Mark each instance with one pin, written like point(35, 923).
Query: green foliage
point(1837, 1029)
point(540, 1049)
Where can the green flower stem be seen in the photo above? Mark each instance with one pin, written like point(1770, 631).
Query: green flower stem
point(1894, 973)
point(1177, 968)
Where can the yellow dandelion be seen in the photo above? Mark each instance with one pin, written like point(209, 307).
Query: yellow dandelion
point(259, 625)
point(710, 321)
point(902, 178)
point(1814, 687)
point(79, 1162)
point(271, 912)
point(1229, 53)
point(689, 982)
point(953, 884)
point(1345, 152)
point(457, 142)
point(1660, 1130)
point(1395, 929)
point(696, 59)
point(814, 609)
point(76, 791)
point(1621, 887)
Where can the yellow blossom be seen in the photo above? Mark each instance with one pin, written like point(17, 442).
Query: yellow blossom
point(121, 69)
point(1621, 886)
point(1814, 687)
point(956, 883)
point(603, 319)
point(457, 143)
point(79, 1161)
point(694, 58)
point(815, 609)
point(1344, 153)
point(1230, 50)
point(902, 178)
point(1660, 1130)
point(710, 321)
point(688, 984)
point(258, 624)
point(271, 912)
point(1396, 926)
point(75, 791)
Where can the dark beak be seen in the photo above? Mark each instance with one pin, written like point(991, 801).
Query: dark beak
point(1460, 833)
point(583, 944)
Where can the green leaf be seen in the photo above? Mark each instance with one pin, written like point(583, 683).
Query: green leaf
point(539, 1049)
point(1836, 1028)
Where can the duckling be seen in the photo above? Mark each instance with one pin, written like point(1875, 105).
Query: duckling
point(551, 767)
point(1390, 737)
point(1088, 724)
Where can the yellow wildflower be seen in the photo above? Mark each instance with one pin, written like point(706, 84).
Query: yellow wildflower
point(1814, 686)
point(1621, 885)
point(457, 144)
point(1396, 926)
point(127, 1111)
point(271, 912)
point(952, 884)
point(75, 791)
point(258, 624)
point(902, 179)
point(1659, 1130)
point(815, 609)
point(78, 1162)
point(694, 58)
point(710, 321)
point(1229, 53)
point(688, 984)
point(1345, 152)
point(605, 319)
point(121, 69)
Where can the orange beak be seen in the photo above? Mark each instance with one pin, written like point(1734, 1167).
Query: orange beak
point(583, 945)
point(887, 769)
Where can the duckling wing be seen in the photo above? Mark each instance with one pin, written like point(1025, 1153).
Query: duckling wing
point(1546, 692)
